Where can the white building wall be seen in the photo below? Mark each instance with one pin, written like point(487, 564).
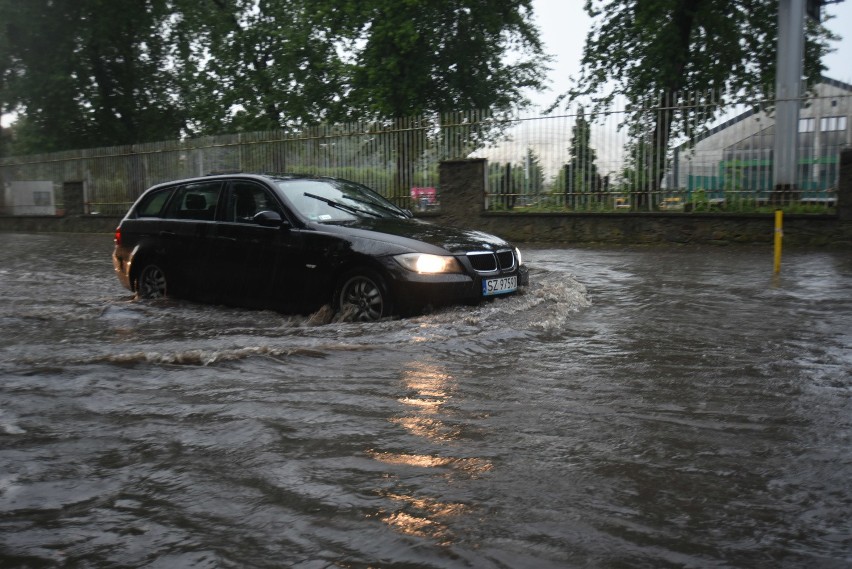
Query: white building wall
point(30, 198)
point(831, 99)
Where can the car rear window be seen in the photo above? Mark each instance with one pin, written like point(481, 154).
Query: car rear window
point(152, 204)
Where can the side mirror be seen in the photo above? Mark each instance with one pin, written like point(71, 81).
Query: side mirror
point(268, 218)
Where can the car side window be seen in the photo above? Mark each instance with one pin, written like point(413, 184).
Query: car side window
point(247, 200)
point(196, 201)
point(152, 205)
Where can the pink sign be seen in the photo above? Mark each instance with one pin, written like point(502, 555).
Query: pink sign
point(424, 195)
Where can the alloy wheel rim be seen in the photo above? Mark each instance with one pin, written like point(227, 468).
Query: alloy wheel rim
point(153, 283)
point(365, 297)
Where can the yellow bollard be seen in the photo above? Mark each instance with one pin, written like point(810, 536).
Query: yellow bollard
point(779, 234)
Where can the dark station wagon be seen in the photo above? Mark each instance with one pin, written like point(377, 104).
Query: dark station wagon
point(296, 243)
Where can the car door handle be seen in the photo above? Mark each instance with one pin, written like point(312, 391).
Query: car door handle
point(167, 233)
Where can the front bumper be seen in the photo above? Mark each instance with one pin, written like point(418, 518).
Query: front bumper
point(412, 292)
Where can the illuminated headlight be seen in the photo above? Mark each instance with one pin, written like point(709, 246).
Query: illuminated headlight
point(518, 257)
point(428, 264)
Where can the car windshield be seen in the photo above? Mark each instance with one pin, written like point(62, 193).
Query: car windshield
point(329, 201)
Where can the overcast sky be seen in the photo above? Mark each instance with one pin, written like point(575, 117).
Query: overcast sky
point(564, 25)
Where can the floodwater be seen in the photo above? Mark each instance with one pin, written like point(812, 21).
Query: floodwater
point(634, 408)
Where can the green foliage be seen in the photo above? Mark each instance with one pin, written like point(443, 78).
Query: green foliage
point(636, 176)
point(251, 66)
point(652, 51)
point(656, 46)
point(531, 173)
point(580, 175)
point(420, 56)
point(93, 73)
point(87, 73)
point(519, 184)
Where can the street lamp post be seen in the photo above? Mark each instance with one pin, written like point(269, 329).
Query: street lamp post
point(788, 81)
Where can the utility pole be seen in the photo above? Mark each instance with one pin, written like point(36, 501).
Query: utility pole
point(788, 91)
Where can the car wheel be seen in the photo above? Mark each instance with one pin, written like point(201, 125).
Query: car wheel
point(152, 282)
point(362, 296)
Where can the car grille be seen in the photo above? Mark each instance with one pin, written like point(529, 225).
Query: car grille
point(488, 261)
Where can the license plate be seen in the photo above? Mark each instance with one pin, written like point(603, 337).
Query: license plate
point(499, 286)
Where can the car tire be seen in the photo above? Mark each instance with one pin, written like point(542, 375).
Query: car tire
point(152, 282)
point(362, 296)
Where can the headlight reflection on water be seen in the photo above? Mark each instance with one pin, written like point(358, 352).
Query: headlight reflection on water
point(429, 389)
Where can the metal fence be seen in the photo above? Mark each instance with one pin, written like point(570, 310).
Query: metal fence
point(568, 161)
point(587, 161)
point(397, 158)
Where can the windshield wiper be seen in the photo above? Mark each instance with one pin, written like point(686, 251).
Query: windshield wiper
point(342, 206)
point(393, 210)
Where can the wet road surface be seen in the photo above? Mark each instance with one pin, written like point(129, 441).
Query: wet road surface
point(633, 408)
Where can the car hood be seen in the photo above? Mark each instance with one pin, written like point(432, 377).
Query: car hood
point(408, 232)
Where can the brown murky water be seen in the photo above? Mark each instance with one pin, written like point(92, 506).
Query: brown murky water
point(634, 408)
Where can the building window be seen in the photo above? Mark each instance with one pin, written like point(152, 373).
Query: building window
point(828, 124)
point(42, 198)
point(807, 125)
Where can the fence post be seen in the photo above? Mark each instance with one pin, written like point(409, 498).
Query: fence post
point(462, 191)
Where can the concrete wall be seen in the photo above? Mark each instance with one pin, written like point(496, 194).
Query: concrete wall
point(462, 198)
point(63, 224)
point(650, 228)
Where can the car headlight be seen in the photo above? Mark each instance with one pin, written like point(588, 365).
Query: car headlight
point(428, 264)
point(518, 256)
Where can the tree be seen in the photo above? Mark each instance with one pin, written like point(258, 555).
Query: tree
point(430, 59)
point(531, 183)
point(259, 64)
point(427, 56)
point(651, 51)
point(511, 181)
point(584, 176)
point(636, 172)
point(580, 175)
point(265, 64)
point(87, 72)
point(124, 71)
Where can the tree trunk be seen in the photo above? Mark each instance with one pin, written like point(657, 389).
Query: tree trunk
point(683, 21)
point(659, 148)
